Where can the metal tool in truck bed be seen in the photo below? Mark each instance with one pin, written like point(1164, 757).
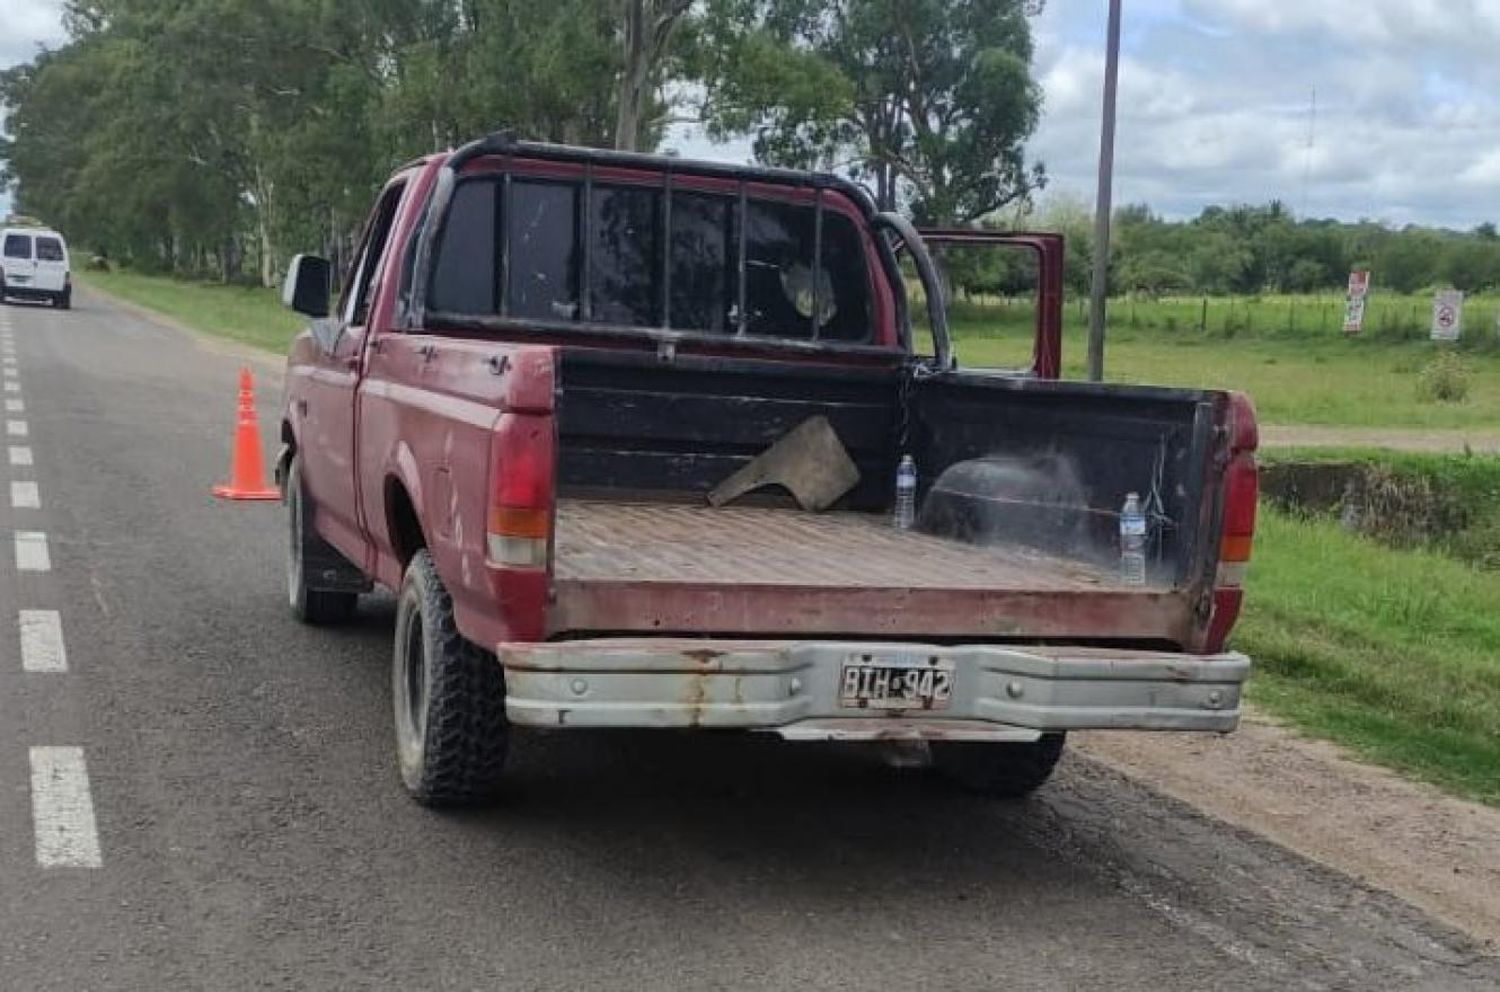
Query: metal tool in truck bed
point(544, 359)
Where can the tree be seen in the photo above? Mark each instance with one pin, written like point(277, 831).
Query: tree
point(1071, 217)
point(1408, 261)
point(931, 100)
point(1471, 265)
point(1152, 273)
point(1306, 275)
point(196, 135)
point(648, 29)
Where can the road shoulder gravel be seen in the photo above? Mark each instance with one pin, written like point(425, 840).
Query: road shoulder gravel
point(1437, 852)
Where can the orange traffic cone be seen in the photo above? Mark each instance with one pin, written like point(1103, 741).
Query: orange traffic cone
point(247, 473)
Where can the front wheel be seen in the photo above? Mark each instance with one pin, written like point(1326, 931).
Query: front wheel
point(449, 698)
point(311, 606)
point(1000, 771)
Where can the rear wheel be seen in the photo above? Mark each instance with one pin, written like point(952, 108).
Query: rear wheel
point(449, 698)
point(64, 300)
point(1001, 771)
point(311, 606)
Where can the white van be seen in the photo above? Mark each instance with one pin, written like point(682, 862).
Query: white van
point(34, 265)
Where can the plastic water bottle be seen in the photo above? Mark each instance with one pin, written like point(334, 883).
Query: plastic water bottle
point(1133, 542)
point(906, 493)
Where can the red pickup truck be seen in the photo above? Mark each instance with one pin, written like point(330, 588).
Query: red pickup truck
point(546, 362)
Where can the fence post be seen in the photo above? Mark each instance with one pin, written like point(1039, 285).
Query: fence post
point(1203, 320)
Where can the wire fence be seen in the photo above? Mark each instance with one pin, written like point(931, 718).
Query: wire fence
point(1387, 317)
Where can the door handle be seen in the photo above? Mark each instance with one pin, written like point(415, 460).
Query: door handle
point(428, 352)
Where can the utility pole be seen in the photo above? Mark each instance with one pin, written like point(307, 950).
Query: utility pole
point(1102, 205)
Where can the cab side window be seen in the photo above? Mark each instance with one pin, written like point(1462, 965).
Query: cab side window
point(359, 287)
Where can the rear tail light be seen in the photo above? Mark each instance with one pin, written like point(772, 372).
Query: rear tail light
point(1237, 529)
point(519, 525)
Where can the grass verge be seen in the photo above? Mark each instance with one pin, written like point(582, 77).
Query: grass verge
point(1394, 654)
point(246, 314)
point(1317, 380)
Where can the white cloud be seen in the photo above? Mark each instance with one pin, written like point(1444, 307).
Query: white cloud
point(1215, 105)
point(26, 25)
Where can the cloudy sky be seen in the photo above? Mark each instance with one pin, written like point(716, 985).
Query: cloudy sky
point(1216, 96)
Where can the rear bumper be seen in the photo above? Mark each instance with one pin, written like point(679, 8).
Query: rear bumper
point(29, 292)
point(792, 688)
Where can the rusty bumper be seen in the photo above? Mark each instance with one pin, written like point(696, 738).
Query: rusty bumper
point(794, 688)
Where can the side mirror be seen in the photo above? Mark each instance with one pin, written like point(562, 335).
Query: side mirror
point(309, 281)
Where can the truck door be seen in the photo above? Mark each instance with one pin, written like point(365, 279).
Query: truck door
point(327, 449)
point(51, 263)
point(1003, 294)
point(17, 261)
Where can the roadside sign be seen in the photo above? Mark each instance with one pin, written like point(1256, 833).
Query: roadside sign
point(1354, 315)
point(1354, 303)
point(1447, 315)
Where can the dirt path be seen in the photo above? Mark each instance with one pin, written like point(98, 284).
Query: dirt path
point(1438, 853)
point(1401, 439)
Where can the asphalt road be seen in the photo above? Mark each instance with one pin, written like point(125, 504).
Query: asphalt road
point(206, 797)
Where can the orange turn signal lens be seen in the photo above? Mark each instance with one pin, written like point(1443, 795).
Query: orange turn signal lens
point(1235, 547)
point(511, 521)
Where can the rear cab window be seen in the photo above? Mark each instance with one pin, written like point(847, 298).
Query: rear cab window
point(49, 250)
point(18, 246)
point(637, 254)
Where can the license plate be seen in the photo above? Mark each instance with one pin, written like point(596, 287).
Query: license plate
point(876, 683)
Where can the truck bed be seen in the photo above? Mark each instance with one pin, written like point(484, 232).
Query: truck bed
point(675, 568)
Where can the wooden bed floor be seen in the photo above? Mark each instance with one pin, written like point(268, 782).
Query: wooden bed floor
point(662, 542)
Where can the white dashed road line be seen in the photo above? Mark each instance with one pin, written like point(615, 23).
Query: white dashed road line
point(62, 809)
point(42, 647)
point(25, 496)
point(62, 806)
point(31, 552)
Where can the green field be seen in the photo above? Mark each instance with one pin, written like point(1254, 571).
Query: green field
point(1302, 377)
point(1395, 654)
point(246, 314)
